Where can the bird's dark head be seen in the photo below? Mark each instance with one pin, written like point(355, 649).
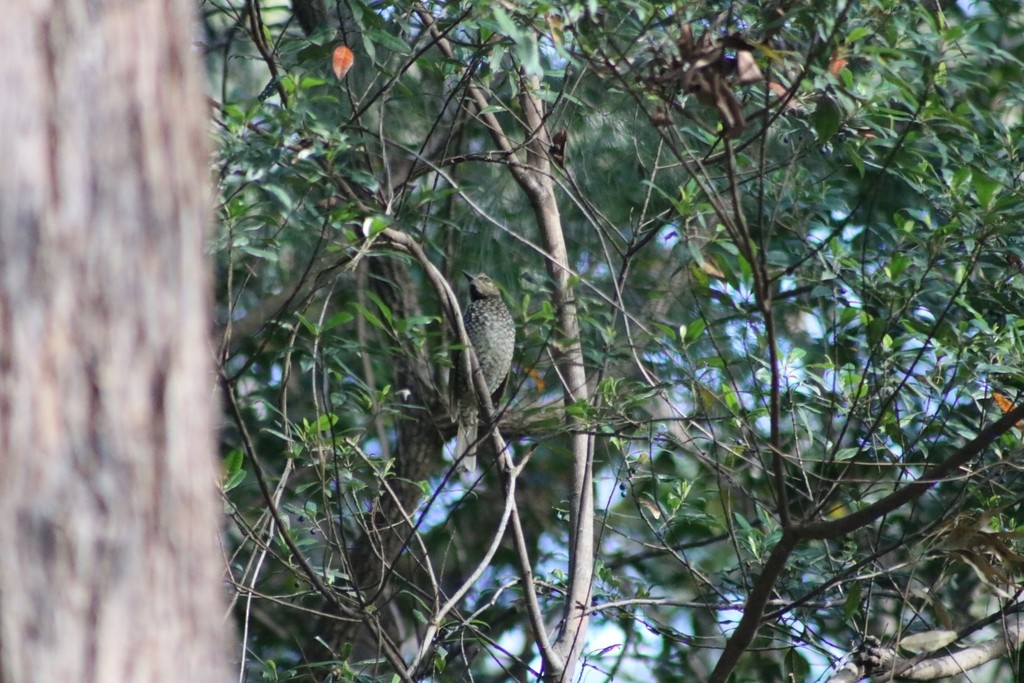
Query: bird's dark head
point(482, 287)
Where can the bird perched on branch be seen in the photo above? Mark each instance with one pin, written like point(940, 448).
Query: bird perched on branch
point(492, 335)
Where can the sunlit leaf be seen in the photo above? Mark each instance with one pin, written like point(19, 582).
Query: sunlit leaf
point(342, 61)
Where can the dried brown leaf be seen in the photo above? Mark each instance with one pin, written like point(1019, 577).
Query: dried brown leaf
point(746, 68)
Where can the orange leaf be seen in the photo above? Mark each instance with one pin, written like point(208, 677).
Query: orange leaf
point(838, 62)
point(342, 61)
point(538, 379)
point(1005, 405)
point(782, 91)
point(556, 25)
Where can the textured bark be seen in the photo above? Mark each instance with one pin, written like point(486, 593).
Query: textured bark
point(108, 510)
point(312, 14)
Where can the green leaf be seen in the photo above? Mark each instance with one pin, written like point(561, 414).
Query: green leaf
point(233, 461)
point(233, 480)
point(986, 188)
point(505, 23)
point(852, 603)
point(388, 41)
point(846, 453)
point(826, 118)
point(370, 316)
point(796, 666)
point(381, 306)
point(337, 319)
point(857, 33)
point(694, 330)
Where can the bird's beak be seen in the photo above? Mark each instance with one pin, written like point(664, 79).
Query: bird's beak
point(469, 276)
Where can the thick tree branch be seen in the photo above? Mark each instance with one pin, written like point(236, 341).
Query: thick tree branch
point(450, 307)
point(537, 184)
point(900, 497)
point(539, 189)
point(753, 612)
point(750, 622)
point(886, 665)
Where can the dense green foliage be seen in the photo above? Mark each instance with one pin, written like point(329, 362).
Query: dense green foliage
point(797, 295)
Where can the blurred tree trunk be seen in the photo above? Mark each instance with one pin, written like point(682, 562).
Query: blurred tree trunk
point(109, 569)
point(312, 14)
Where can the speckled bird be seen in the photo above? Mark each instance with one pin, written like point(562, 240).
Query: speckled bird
point(492, 333)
